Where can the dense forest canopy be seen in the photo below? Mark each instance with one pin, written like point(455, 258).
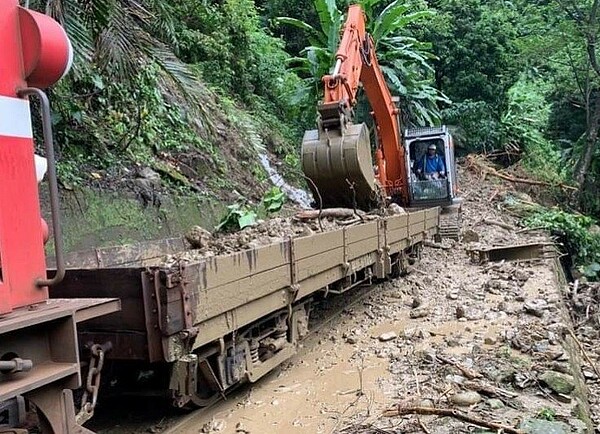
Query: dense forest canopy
point(152, 80)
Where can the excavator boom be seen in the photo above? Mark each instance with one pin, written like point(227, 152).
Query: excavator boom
point(337, 156)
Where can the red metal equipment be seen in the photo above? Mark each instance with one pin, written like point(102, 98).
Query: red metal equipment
point(39, 358)
point(358, 64)
point(337, 156)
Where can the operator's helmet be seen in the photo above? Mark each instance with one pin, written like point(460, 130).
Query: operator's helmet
point(432, 146)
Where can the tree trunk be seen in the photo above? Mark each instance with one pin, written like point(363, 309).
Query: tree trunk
point(591, 140)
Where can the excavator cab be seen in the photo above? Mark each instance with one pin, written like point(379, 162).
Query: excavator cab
point(426, 190)
point(430, 189)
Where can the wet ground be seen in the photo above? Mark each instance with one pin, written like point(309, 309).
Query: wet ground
point(491, 341)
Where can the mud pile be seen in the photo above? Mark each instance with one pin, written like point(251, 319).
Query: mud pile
point(204, 244)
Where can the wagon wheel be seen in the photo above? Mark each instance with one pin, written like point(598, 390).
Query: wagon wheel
point(208, 388)
point(203, 400)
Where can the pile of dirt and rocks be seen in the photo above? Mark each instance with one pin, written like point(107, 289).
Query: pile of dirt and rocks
point(456, 346)
point(583, 300)
point(492, 342)
point(304, 223)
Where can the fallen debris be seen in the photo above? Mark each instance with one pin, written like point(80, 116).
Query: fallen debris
point(516, 252)
point(198, 237)
point(468, 373)
point(465, 399)
point(425, 411)
point(477, 336)
point(470, 236)
point(419, 312)
point(558, 382)
point(434, 245)
point(311, 214)
point(387, 336)
point(480, 164)
point(499, 224)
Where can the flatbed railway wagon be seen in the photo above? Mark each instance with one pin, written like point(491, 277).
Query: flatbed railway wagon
point(203, 325)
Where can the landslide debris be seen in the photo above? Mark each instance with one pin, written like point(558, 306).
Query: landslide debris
point(204, 244)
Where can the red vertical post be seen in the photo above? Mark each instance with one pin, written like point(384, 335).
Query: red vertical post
point(21, 243)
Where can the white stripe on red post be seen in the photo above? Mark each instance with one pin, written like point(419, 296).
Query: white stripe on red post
point(15, 117)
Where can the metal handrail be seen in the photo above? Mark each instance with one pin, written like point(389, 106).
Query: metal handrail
point(52, 184)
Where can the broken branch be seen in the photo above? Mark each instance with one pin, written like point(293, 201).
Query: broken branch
point(404, 411)
point(311, 214)
point(485, 169)
point(584, 352)
point(489, 390)
point(428, 243)
point(499, 224)
point(469, 373)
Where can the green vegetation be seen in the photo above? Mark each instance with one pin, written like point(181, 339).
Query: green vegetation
point(546, 414)
point(273, 200)
point(195, 89)
point(240, 215)
point(403, 59)
point(577, 232)
point(192, 90)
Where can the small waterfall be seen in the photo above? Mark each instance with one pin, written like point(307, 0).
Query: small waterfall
point(297, 195)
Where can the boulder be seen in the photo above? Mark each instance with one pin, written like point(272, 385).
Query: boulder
point(559, 383)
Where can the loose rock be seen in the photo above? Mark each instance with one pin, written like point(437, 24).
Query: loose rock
point(387, 336)
point(489, 340)
point(419, 312)
point(426, 403)
point(198, 237)
point(536, 426)
point(465, 399)
point(536, 307)
point(240, 428)
point(395, 209)
point(495, 404)
point(521, 275)
point(470, 236)
point(559, 383)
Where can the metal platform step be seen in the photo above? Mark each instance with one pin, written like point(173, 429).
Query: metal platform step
point(450, 225)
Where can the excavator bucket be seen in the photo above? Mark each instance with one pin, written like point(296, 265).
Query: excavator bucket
point(340, 167)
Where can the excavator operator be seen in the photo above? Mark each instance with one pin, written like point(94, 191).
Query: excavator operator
point(431, 165)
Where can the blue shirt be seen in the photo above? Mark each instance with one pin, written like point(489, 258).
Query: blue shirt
point(432, 164)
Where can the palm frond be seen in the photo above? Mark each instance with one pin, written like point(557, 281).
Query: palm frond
point(162, 23)
point(118, 36)
point(187, 83)
point(73, 16)
point(311, 31)
point(121, 45)
point(385, 23)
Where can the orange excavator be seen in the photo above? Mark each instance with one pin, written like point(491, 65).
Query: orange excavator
point(337, 156)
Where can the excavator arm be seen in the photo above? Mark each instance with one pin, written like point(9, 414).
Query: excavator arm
point(337, 156)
